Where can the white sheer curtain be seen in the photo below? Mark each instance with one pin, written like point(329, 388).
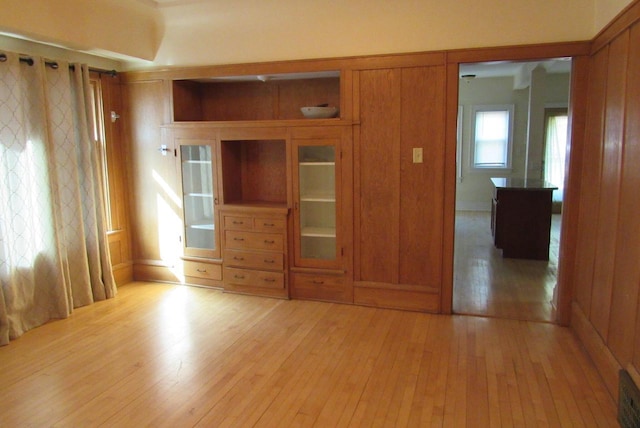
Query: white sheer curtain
point(555, 153)
point(53, 250)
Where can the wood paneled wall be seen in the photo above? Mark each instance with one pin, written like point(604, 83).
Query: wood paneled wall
point(153, 194)
point(119, 235)
point(399, 233)
point(607, 262)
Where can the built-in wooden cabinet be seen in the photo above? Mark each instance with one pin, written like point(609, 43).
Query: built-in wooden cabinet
point(322, 213)
point(197, 164)
point(317, 202)
point(255, 248)
point(241, 141)
point(191, 212)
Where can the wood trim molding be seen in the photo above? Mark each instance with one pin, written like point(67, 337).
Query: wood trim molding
point(449, 208)
point(519, 53)
point(571, 209)
point(369, 62)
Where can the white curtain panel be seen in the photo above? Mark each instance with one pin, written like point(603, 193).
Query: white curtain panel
point(53, 249)
point(555, 154)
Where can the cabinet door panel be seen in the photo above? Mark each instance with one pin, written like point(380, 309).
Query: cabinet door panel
point(196, 161)
point(317, 173)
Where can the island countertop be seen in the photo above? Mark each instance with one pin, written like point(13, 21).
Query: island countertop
point(521, 183)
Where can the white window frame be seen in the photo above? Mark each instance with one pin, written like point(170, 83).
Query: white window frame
point(488, 108)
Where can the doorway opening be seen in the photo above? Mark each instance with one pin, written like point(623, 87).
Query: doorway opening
point(512, 123)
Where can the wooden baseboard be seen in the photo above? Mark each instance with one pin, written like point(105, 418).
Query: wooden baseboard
point(204, 282)
point(123, 273)
point(396, 297)
point(605, 362)
point(149, 272)
point(257, 291)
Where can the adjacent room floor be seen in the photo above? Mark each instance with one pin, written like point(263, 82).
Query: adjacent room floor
point(487, 284)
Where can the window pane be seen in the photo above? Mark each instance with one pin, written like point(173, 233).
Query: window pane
point(492, 125)
point(491, 139)
point(491, 153)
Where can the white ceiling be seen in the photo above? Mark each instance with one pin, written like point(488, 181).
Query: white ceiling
point(511, 68)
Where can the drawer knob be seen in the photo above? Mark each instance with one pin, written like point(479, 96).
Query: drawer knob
point(269, 280)
point(238, 258)
point(238, 276)
point(270, 261)
point(201, 270)
point(315, 281)
point(266, 241)
point(238, 222)
point(238, 239)
point(268, 224)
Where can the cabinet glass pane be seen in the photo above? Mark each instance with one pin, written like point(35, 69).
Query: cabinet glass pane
point(198, 195)
point(317, 186)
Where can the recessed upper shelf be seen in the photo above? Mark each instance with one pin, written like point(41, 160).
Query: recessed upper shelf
point(253, 98)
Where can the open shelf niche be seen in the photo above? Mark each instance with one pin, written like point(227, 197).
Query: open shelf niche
point(253, 97)
point(254, 171)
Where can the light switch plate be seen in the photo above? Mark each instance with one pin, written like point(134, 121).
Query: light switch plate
point(417, 155)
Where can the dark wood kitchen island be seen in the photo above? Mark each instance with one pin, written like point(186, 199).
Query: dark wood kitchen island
point(521, 217)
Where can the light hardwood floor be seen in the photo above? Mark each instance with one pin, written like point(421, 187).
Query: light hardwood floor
point(166, 355)
point(487, 284)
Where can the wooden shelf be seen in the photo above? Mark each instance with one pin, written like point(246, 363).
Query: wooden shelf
point(253, 98)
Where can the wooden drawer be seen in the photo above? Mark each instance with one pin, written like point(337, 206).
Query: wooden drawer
point(238, 223)
point(257, 260)
point(202, 270)
point(332, 288)
point(254, 278)
point(265, 224)
point(254, 241)
point(311, 281)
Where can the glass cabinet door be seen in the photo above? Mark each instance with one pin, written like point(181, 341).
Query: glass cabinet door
point(317, 204)
point(198, 198)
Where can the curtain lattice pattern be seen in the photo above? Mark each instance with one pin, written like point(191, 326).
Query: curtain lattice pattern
point(53, 250)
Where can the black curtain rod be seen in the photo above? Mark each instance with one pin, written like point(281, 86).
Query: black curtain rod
point(54, 65)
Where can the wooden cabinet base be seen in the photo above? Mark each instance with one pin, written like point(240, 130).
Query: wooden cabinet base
point(202, 269)
point(280, 293)
point(203, 282)
point(330, 288)
point(393, 296)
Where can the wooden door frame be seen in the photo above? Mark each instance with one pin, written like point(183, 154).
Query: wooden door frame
point(579, 52)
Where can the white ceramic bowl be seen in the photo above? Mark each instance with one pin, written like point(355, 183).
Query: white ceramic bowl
point(319, 112)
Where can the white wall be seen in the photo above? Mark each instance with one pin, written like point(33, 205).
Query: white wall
point(474, 190)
